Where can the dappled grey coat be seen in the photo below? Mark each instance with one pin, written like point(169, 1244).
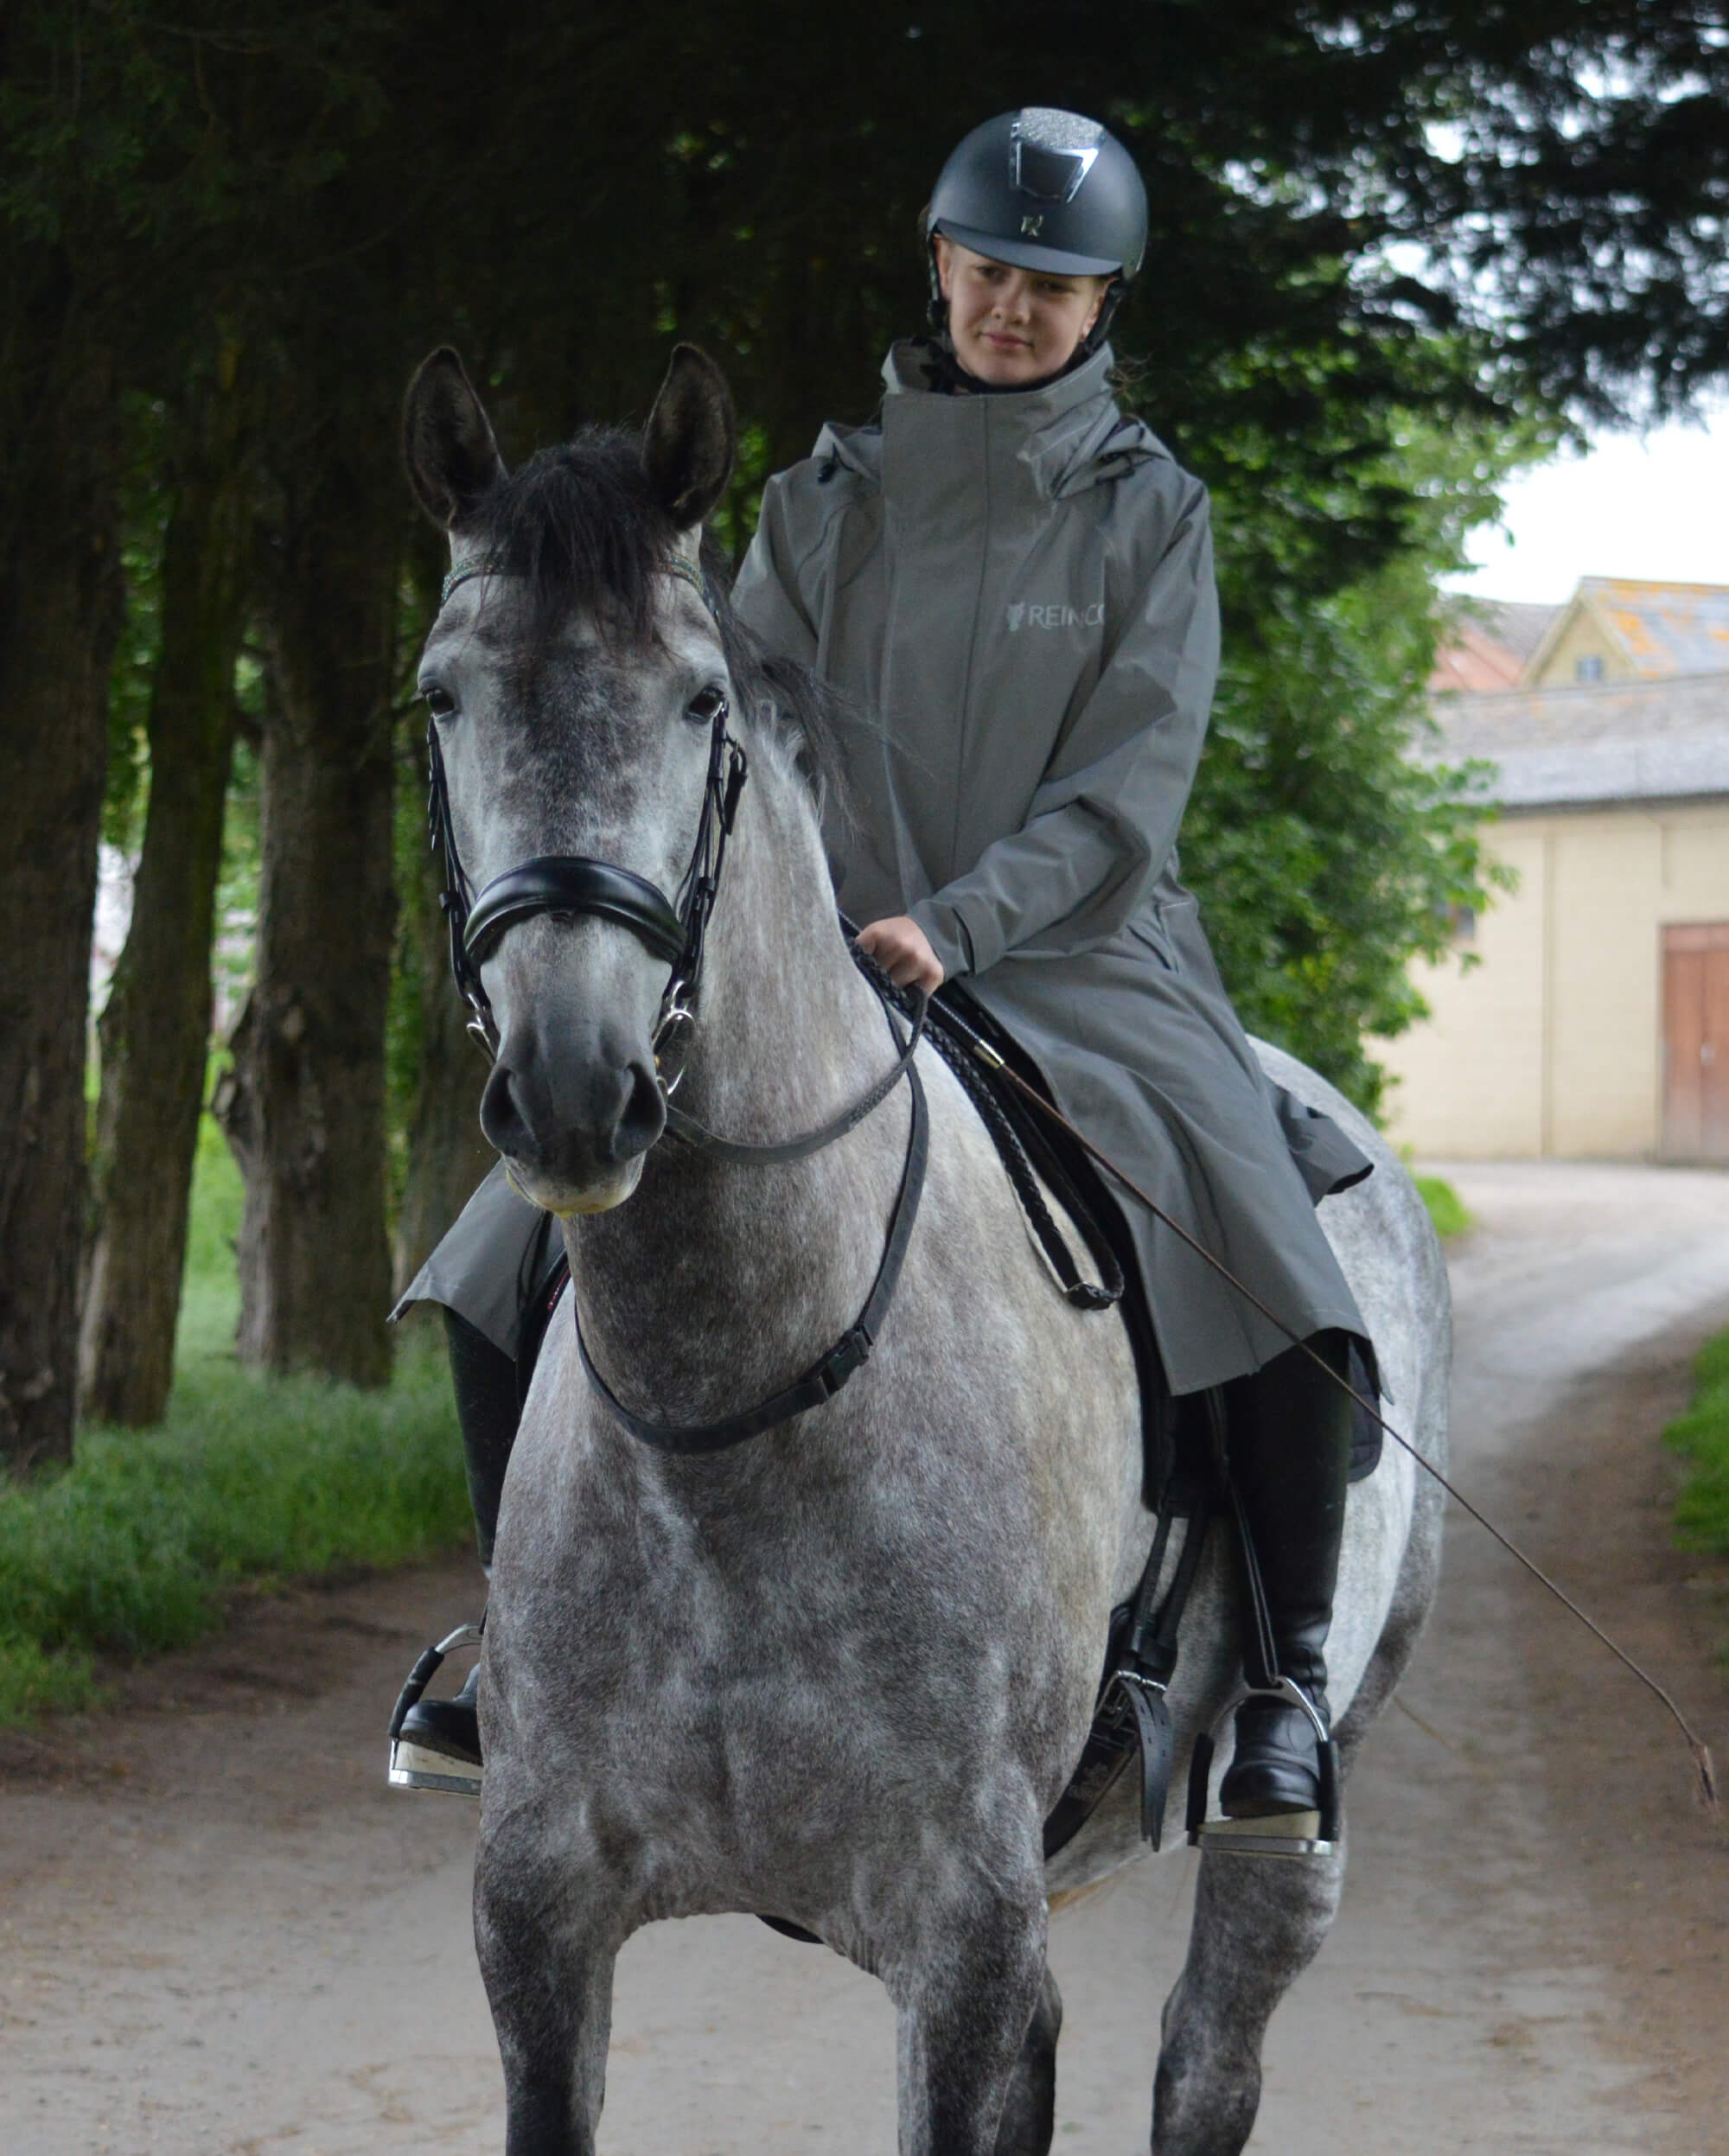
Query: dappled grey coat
point(1015, 592)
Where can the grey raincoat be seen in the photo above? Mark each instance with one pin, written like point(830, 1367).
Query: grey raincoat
point(1015, 592)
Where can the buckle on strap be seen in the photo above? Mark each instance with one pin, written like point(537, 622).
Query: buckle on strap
point(850, 1353)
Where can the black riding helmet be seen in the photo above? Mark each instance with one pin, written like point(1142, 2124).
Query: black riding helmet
point(1043, 190)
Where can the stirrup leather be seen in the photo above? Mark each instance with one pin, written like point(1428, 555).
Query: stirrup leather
point(414, 1766)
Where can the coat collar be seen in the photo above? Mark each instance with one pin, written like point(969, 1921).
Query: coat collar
point(1038, 445)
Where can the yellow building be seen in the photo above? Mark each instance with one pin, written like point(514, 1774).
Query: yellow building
point(1595, 1023)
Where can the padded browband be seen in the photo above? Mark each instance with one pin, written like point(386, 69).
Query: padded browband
point(570, 883)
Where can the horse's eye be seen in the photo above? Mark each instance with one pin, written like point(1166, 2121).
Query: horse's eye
point(438, 701)
point(706, 706)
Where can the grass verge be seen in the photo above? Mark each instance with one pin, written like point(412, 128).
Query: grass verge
point(1701, 1437)
point(250, 1480)
point(1447, 1209)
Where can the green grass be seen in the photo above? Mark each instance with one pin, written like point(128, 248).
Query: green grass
point(1447, 1209)
point(1701, 1437)
point(250, 1479)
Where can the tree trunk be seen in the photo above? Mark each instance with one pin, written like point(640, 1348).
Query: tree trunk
point(60, 618)
point(155, 1028)
point(304, 1105)
point(447, 1152)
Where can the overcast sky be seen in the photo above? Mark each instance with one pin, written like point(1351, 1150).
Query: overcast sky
point(1657, 507)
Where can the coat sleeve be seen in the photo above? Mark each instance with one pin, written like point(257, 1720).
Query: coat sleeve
point(1104, 820)
point(765, 593)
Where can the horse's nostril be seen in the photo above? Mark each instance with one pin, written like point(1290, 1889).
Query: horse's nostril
point(643, 1117)
point(577, 1115)
point(501, 1115)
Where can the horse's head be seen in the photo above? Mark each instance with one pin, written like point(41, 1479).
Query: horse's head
point(573, 677)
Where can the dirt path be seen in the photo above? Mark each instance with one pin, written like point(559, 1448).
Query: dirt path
point(223, 1934)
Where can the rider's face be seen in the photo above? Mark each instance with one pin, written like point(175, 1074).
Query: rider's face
point(1010, 327)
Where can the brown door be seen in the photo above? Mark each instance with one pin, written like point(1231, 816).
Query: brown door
point(1696, 1041)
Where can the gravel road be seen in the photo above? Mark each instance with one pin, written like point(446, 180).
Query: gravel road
point(223, 1934)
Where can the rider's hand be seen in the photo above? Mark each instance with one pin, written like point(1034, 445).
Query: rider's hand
point(901, 948)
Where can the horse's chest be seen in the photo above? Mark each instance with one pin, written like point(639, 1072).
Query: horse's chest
point(725, 1708)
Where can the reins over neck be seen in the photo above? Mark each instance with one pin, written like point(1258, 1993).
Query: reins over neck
point(1703, 1766)
point(849, 1354)
point(677, 932)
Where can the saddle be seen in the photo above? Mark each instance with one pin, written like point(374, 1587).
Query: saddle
point(1177, 1433)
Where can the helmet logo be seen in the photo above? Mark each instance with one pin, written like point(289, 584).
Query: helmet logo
point(1031, 226)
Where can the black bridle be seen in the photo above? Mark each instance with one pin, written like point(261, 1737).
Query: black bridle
point(676, 930)
point(577, 883)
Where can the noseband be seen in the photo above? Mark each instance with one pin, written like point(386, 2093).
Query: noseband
point(563, 884)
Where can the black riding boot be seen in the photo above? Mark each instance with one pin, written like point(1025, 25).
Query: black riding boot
point(487, 1408)
point(1289, 1438)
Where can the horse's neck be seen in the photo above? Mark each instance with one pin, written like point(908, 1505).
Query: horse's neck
point(716, 1284)
point(786, 1025)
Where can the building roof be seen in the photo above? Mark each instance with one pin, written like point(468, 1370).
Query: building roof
point(1661, 629)
point(1656, 739)
point(1491, 646)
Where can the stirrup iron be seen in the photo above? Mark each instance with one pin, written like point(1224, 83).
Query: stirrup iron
point(413, 1766)
point(1276, 1833)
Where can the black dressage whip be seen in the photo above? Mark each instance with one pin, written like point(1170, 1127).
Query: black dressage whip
point(1701, 1751)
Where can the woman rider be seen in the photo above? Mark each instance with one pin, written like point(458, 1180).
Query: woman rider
point(1012, 583)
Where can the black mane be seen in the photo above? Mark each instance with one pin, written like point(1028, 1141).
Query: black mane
point(582, 527)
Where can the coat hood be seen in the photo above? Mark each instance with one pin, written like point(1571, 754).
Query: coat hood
point(1059, 437)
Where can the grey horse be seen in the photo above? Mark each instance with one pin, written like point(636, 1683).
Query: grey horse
point(837, 1675)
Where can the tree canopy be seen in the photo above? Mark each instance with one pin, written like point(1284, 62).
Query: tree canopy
point(1392, 249)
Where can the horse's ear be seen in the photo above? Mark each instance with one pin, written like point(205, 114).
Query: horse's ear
point(447, 441)
point(691, 439)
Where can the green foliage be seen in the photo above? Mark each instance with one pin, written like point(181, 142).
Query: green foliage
point(1701, 1437)
point(37, 1681)
point(1328, 853)
point(131, 1550)
point(1482, 216)
point(213, 1232)
point(250, 1480)
point(1446, 1208)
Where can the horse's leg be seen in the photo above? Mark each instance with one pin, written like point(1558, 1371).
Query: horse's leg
point(1030, 2111)
point(548, 1976)
point(966, 2004)
point(1258, 1922)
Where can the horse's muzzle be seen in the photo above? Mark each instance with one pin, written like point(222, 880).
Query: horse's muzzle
point(571, 1121)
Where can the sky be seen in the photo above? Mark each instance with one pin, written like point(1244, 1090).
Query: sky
point(1656, 507)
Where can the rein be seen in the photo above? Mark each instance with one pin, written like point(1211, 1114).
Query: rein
point(831, 1370)
point(677, 932)
point(1696, 1745)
